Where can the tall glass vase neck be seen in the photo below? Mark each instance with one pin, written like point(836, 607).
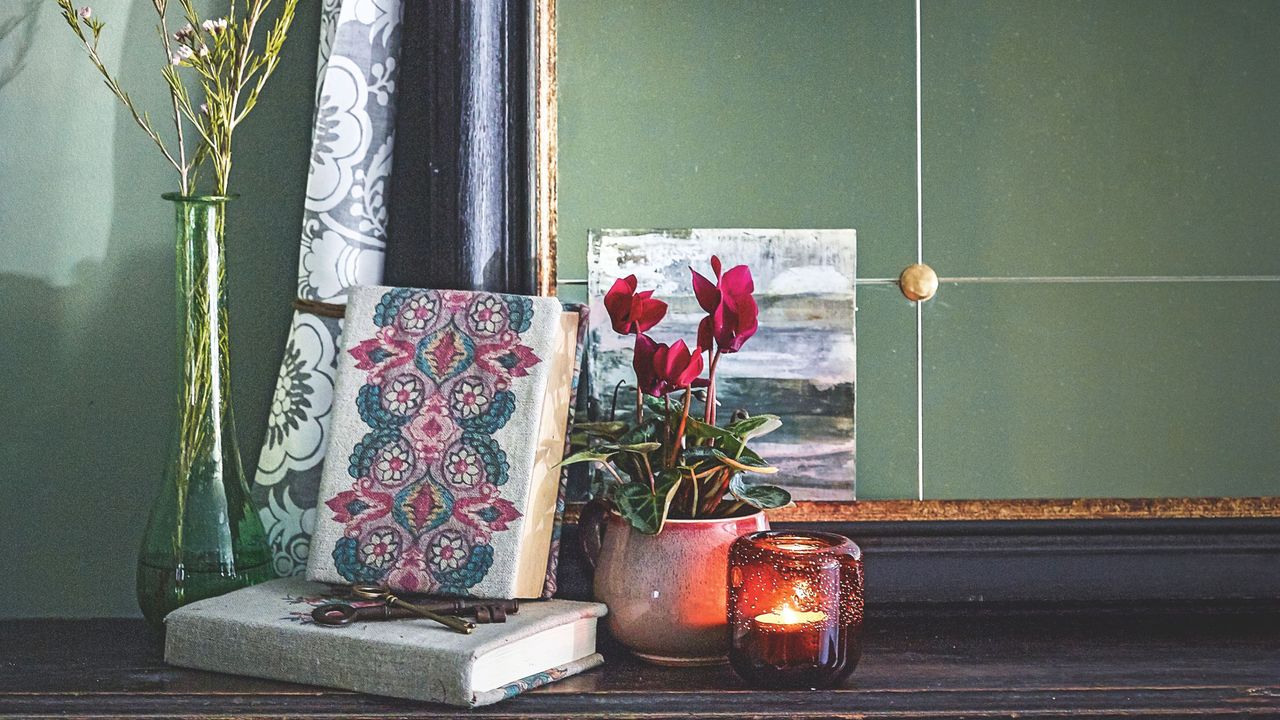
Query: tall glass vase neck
point(202, 305)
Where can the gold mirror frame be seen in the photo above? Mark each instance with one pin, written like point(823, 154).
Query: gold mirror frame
point(543, 151)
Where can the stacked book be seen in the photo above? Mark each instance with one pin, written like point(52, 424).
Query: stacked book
point(442, 477)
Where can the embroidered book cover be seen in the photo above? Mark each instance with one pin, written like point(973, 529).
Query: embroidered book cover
point(267, 631)
point(450, 417)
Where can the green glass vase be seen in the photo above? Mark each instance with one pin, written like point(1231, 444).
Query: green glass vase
point(203, 537)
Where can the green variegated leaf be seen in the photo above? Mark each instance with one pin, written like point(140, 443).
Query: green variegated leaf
point(643, 448)
point(698, 454)
point(755, 426)
point(763, 497)
point(609, 430)
point(745, 464)
point(747, 455)
point(645, 510)
point(641, 433)
point(659, 406)
point(592, 455)
point(699, 430)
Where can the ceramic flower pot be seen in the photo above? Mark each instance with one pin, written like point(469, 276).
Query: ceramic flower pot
point(667, 592)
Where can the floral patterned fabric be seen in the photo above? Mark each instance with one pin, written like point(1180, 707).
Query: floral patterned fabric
point(437, 411)
point(343, 237)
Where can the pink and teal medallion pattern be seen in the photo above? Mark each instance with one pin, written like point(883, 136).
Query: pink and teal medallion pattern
point(425, 500)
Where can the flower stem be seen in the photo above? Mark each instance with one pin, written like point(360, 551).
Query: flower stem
point(716, 490)
point(678, 443)
point(693, 494)
point(184, 169)
point(612, 472)
point(653, 488)
point(710, 416)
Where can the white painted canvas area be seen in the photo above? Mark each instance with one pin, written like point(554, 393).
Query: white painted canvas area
point(801, 364)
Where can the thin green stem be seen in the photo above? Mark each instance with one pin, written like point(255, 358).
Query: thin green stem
point(184, 169)
point(693, 499)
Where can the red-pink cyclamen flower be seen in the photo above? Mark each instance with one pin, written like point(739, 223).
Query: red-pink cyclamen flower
point(631, 311)
point(731, 310)
point(662, 368)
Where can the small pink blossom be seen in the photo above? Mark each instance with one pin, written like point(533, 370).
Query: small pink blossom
point(85, 12)
point(179, 55)
point(204, 108)
point(185, 33)
point(214, 27)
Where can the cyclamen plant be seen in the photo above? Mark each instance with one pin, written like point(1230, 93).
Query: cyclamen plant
point(229, 73)
point(666, 462)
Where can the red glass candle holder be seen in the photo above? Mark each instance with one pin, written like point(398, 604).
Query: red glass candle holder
point(795, 608)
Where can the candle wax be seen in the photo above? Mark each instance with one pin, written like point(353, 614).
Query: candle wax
point(791, 637)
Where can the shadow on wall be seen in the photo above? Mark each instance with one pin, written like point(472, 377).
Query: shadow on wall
point(90, 371)
point(17, 32)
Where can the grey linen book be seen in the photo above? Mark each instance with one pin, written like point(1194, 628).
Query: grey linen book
point(267, 631)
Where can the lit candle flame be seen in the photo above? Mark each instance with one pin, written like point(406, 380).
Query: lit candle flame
point(787, 615)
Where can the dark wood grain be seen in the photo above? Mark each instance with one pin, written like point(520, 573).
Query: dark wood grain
point(1166, 660)
point(459, 209)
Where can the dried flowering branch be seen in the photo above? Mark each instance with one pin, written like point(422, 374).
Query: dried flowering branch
point(676, 464)
point(230, 75)
point(231, 72)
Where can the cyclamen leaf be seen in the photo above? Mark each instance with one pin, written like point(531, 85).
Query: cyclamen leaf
point(697, 429)
point(587, 456)
point(698, 454)
point(754, 465)
point(749, 456)
point(646, 511)
point(639, 434)
point(659, 406)
point(610, 430)
point(755, 426)
point(762, 497)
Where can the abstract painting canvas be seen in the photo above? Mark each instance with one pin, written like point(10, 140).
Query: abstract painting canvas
point(801, 363)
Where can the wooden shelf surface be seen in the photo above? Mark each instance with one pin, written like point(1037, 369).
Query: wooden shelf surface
point(1167, 660)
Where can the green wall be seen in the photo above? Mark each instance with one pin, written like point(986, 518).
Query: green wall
point(87, 337)
point(1063, 140)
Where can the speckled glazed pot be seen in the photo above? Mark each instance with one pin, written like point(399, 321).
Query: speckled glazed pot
point(667, 592)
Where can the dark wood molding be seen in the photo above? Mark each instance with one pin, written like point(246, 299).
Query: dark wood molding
point(1018, 510)
point(545, 124)
point(1045, 561)
point(460, 207)
point(1076, 560)
point(1032, 509)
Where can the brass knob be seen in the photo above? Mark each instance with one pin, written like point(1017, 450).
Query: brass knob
point(918, 282)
